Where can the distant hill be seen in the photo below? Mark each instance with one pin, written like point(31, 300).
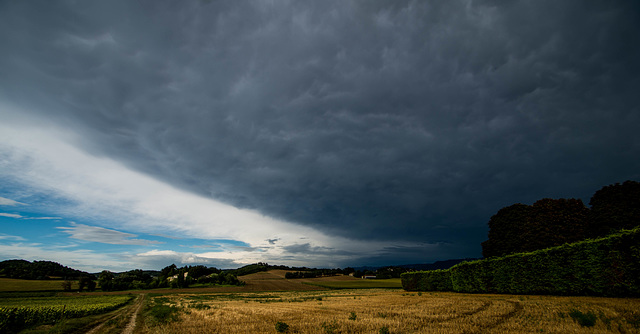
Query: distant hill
point(38, 270)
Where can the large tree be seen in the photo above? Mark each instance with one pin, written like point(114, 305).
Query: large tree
point(546, 223)
point(615, 207)
point(105, 279)
point(555, 222)
point(505, 230)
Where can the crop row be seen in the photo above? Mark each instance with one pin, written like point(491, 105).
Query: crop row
point(14, 318)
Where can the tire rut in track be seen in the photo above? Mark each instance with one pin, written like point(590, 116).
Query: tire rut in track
point(126, 311)
point(517, 308)
point(486, 325)
point(485, 305)
point(132, 321)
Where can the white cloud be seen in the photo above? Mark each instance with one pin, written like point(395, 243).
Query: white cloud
point(10, 237)
point(159, 258)
point(85, 260)
point(9, 202)
point(45, 160)
point(101, 188)
point(10, 215)
point(17, 216)
point(103, 235)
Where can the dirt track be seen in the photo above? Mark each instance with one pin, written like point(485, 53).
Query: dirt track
point(129, 312)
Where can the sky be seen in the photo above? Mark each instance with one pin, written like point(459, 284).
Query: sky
point(137, 134)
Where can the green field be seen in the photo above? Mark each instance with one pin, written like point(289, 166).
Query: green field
point(20, 312)
point(10, 284)
point(69, 302)
point(391, 283)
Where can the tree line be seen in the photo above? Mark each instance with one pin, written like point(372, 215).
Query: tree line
point(553, 222)
point(38, 270)
point(169, 277)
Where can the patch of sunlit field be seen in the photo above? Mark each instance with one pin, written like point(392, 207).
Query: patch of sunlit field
point(11, 284)
point(395, 311)
point(358, 283)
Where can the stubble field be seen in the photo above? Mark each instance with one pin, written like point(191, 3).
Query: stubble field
point(393, 311)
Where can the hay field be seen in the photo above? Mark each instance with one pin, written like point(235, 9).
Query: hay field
point(393, 311)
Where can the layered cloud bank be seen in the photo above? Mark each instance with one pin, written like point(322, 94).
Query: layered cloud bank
point(58, 178)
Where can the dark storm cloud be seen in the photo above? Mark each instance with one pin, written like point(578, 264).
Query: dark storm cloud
point(306, 248)
point(370, 119)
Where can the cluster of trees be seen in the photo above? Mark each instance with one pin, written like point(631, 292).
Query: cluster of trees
point(169, 277)
point(385, 272)
point(382, 273)
point(390, 272)
point(40, 270)
point(553, 222)
point(84, 282)
point(252, 269)
point(184, 277)
point(128, 280)
point(304, 272)
point(262, 266)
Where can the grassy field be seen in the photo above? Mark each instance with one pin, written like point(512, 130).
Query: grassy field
point(10, 284)
point(391, 311)
point(392, 283)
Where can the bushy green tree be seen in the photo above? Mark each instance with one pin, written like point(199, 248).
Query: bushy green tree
point(546, 223)
point(615, 207)
point(86, 282)
point(91, 285)
point(506, 229)
point(169, 270)
point(555, 222)
point(181, 281)
point(105, 279)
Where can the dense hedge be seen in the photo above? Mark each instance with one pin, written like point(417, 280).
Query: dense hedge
point(607, 266)
point(432, 280)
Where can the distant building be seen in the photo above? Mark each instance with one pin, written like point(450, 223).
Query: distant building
point(175, 277)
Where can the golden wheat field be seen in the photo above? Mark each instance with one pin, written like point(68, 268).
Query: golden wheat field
point(393, 311)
